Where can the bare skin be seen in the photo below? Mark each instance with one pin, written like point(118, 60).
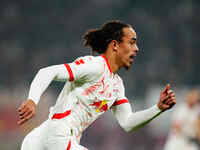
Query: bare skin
point(26, 111)
point(122, 54)
point(119, 54)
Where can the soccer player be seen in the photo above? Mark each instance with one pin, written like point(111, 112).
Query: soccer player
point(92, 87)
point(185, 129)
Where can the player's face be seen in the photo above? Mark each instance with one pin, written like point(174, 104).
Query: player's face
point(127, 49)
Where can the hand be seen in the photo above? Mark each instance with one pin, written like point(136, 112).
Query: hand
point(167, 98)
point(26, 111)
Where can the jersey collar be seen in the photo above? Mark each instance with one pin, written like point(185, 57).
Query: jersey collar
point(106, 60)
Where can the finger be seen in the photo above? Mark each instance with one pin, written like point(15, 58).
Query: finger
point(171, 103)
point(164, 106)
point(165, 98)
point(21, 107)
point(171, 99)
point(23, 120)
point(172, 95)
point(25, 114)
point(167, 87)
point(169, 91)
point(21, 116)
point(23, 111)
point(167, 101)
point(29, 116)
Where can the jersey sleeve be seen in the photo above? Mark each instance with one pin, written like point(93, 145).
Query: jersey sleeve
point(86, 67)
point(128, 119)
point(121, 98)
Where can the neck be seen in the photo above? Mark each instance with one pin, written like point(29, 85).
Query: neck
point(112, 61)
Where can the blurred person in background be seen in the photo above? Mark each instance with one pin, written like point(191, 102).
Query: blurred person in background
point(185, 130)
point(198, 128)
point(92, 87)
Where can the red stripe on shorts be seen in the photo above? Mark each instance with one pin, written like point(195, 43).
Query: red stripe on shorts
point(120, 102)
point(61, 115)
point(69, 145)
point(71, 76)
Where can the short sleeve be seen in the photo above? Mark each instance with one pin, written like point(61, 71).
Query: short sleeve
point(87, 67)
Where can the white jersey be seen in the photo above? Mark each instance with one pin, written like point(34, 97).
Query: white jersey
point(92, 90)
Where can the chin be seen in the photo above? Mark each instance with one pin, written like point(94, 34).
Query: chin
point(127, 67)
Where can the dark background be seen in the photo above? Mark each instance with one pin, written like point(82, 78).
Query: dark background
point(36, 34)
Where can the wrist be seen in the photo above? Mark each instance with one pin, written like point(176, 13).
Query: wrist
point(32, 102)
point(156, 107)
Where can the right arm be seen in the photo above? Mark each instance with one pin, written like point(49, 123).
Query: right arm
point(66, 72)
point(39, 84)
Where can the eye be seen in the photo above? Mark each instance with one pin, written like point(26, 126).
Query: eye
point(132, 42)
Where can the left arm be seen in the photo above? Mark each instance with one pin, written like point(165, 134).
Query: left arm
point(130, 121)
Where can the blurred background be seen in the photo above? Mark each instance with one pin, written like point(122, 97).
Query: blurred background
point(36, 34)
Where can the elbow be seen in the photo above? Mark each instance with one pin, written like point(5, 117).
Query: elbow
point(125, 123)
point(129, 127)
point(127, 130)
point(126, 127)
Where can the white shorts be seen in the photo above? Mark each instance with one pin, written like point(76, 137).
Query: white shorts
point(47, 137)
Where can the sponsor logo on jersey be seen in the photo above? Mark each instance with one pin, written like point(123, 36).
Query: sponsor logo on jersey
point(100, 105)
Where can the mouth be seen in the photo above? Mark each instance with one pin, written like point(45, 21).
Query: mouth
point(132, 57)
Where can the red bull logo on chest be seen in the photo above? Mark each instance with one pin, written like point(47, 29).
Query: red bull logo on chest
point(100, 105)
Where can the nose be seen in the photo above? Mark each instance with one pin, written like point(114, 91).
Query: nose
point(136, 49)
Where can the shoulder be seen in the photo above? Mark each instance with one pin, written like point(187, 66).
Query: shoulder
point(92, 59)
point(95, 61)
point(90, 64)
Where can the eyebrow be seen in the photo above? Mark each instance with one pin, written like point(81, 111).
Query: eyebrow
point(134, 39)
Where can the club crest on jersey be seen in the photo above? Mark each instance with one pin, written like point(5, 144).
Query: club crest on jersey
point(100, 105)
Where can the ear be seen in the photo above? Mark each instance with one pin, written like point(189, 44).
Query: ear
point(115, 45)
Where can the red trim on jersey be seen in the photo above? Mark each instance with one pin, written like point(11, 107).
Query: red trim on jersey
point(81, 61)
point(69, 145)
point(71, 76)
point(78, 62)
point(61, 115)
point(119, 102)
point(107, 62)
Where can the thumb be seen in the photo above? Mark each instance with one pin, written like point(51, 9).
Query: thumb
point(167, 87)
